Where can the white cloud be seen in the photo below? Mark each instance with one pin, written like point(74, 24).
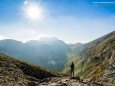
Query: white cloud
point(68, 28)
point(27, 34)
point(2, 37)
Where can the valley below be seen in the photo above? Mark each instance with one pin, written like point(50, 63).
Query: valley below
point(50, 64)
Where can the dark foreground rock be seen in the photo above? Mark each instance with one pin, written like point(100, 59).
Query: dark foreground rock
point(14, 72)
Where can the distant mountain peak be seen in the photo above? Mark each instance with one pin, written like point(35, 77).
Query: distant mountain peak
point(43, 39)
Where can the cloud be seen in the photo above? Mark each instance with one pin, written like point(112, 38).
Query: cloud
point(24, 35)
point(71, 29)
point(68, 28)
point(2, 37)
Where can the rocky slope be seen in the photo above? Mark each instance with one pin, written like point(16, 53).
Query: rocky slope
point(14, 72)
point(95, 59)
point(67, 81)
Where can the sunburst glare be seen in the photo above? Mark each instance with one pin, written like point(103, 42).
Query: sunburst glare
point(33, 11)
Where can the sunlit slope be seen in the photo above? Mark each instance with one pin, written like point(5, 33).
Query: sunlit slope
point(97, 59)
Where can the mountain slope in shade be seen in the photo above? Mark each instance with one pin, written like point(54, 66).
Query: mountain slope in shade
point(95, 59)
point(49, 52)
point(15, 72)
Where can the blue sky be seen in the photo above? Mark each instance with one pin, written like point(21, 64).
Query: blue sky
point(69, 20)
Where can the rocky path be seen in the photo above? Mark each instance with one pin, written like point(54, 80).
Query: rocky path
point(65, 81)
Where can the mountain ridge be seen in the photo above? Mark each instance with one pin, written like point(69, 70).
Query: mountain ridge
point(96, 59)
point(43, 53)
point(87, 45)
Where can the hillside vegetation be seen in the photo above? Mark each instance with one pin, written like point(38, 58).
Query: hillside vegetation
point(95, 59)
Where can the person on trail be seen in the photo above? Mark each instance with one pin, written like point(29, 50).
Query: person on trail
point(72, 69)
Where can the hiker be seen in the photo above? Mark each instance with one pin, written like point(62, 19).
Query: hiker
point(72, 69)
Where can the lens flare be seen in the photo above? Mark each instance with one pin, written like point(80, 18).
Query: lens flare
point(33, 11)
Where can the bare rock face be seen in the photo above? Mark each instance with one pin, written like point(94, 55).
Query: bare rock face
point(109, 74)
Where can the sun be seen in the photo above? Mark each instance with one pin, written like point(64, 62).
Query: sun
point(33, 11)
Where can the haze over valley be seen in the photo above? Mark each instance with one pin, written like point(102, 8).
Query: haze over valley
point(57, 43)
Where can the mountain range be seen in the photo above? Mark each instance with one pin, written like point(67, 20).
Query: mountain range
point(48, 52)
point(95, 59)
